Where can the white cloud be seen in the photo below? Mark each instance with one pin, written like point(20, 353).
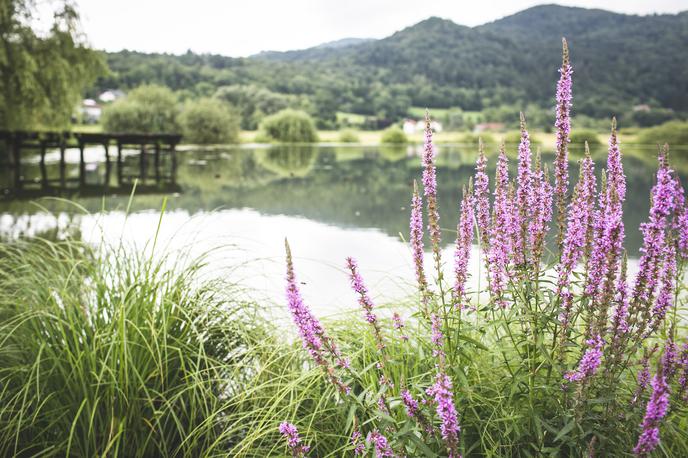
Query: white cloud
point(237, 28)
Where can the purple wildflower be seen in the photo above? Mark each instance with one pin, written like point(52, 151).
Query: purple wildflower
point(364, 301)
point(620, 314)
point(312, 334)
point(482, 197)
point(666, 290)
point(579, 220)
point(541, 210)
point(654, 233)
point(609, 229)
point(563, 126)
point(523, 194)
point(683, 379)
point(291, 434)
point(416, 228)
point(444, 398)
point(437, 338)
point(398, 324)
point(591, 360)
point(357, 442)
point(430, 189)
point(681, 221)
point(382, 448)
point(656, 409)
point(670, 357)
point(462, 254)
point(501, 232)
point(643, 376)
point(410, 403)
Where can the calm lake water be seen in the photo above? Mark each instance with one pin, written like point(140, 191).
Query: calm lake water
point(238, 204)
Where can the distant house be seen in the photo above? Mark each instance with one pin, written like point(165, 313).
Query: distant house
point(411, 126)
point(491, 126)
point(90, 111)
point(110, 95)
point(642, 107)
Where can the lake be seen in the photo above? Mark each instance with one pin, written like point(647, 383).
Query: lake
point(237, 205)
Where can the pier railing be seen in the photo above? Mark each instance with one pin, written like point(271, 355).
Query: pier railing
point(150, 160)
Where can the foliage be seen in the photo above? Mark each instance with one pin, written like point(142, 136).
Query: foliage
point(146, 109)
point(42, 75)
point(502, 66)
point(393, 135)
point(348, 136)
point(674, 133)
point(579, 137)
point(514, 138)
point(209, 121)
point(255, 102)
point(557, 353)
point(289, 126)
point(110, 354)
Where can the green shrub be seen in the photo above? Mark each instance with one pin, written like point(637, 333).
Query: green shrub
point(209, 121)
point(580, 136)
point(393, 135)
point(114, 355)
point(146, 109)
point(514, 138)
point(675, 133)
point(348, 136)
point(289, 126)
point(472, 139)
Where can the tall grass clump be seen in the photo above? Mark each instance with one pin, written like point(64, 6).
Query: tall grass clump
point(114, 354)
point(553, 349)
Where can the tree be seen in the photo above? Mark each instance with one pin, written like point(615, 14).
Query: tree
point(146, 109)
point(209, 121)
point(42, 76)
point(290, 126)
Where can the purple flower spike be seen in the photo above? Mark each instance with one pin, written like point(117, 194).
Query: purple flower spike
point(410, 403)
point(291, 434)
point(563, 128)
point(312, 334)
point(430, 189)
point(381, 444)
point(580, 219)
point(502, 231)
point(656, 409)
point(364, 301)
point(462, 253)
point(416, 238)
point(541, 209)
point(444, 399)
point(357, 443)
point(591, 360)
point(523, 194)
point(482, 197)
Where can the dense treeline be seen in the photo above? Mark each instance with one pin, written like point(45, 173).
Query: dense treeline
point(633, 60)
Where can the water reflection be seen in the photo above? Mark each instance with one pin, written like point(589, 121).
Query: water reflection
point(331, 201)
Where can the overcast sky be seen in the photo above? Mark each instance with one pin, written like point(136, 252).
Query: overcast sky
point(241, 28)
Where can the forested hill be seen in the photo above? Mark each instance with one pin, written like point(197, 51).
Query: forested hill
point(619, 61)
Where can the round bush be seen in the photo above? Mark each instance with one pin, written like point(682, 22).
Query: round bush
point(289, 126)
point(674, 133)
point(579, 137)
point(394, 136)
point(209, 121)
point(146, 109)
point(348, 136)
point(514, 138)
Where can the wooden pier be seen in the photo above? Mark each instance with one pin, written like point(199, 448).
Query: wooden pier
point(149, 160)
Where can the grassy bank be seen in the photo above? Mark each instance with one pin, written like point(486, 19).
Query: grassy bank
point(111, 354)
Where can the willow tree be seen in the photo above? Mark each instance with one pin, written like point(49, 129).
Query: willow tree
point(42, 73)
